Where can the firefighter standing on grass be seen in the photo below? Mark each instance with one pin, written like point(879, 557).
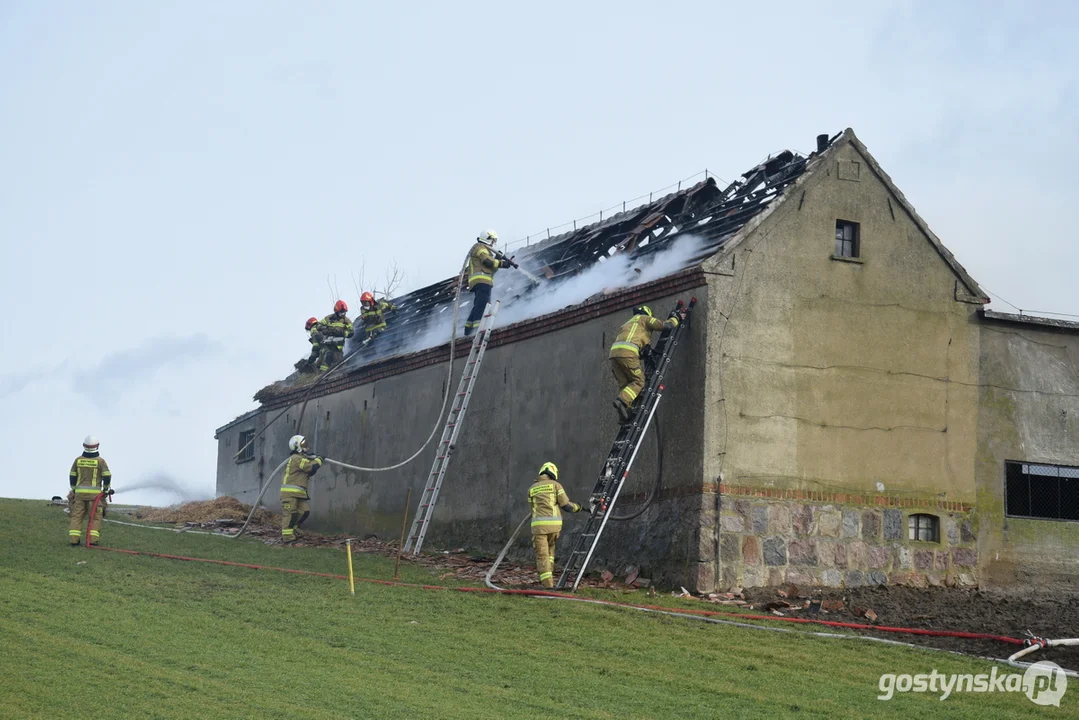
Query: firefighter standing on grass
point(547, 498)
point(625, 355)
point(372, 312)
point(335, 329)
point(299, 469)
point(90, 476)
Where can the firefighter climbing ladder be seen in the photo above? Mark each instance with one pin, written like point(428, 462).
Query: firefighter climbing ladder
point(619, 461)
point(456, 417)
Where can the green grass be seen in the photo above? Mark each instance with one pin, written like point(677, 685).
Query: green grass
point(129, 636)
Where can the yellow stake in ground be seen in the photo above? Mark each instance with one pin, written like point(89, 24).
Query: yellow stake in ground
point(351, 583)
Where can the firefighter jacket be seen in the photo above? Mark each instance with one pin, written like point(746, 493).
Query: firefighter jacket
point(90, 475)
point(482, 265)
point(335, 328)
point(298, 472)
point(546, 497)
point(373, 319)
point(636, 333)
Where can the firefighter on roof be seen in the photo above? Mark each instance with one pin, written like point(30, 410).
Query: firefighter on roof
point(625, 356)
point(314, 336)
point(299, 469)
point(483, 263)
point(373, 314)
point(547, 498)
point(89, 477)
point(335, 329)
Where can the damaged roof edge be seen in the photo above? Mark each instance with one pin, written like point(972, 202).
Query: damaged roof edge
point(591, 309)
point(243, 418)
point(1044, 322)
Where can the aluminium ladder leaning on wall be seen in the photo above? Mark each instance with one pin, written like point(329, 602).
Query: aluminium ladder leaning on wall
point(619, 461)
point(445, 448)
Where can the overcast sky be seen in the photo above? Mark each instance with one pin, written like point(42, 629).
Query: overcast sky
point(179, 178)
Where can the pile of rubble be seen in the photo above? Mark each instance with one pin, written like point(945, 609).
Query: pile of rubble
point(787, 600)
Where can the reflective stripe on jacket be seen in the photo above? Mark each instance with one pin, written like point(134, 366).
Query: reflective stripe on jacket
point(335, 328)
point(636, 333)
point(373, 319)
point(298, 472)
point(546, 497)
point(89, 475)
point(482, 266)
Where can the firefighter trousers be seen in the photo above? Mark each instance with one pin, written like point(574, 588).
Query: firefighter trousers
point(543, 546)
point(481, 295)
point(80, 510)
point(630, 378)
point(294, 511)
point(330, 356)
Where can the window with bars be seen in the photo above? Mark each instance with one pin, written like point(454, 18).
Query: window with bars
point(923, 527)
point(1041, 492)
point(246, 436)
point(847, 241)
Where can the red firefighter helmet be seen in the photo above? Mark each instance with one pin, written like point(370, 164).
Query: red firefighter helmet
point(367, 299)
point(340, 306)
point(310, 323)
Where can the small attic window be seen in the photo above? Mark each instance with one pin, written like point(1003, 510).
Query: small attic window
point(847, 239)
point(248, 447)
point(923, 527)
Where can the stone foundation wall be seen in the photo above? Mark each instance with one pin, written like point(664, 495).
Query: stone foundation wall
point(836, 540)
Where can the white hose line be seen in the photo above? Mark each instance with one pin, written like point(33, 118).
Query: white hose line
point(1038, 644)
point(445, 395)
point(169, 529)
point(255, 505)
point(501, 555)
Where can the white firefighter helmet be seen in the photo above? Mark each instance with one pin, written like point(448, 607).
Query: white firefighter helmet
point(296, 443)
point(488, 237)
point(90, 444)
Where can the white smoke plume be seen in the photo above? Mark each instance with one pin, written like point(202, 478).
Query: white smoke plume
point(521, 301)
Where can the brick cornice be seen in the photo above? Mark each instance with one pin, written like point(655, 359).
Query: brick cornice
point(840, 498)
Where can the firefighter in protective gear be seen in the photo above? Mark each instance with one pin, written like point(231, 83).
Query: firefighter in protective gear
point(335, 329)
point(90, 476)
point(625, 355)
point(373, 314)
point(299, 469)
point(547, 498)
point(483, 263)
point(314, 336)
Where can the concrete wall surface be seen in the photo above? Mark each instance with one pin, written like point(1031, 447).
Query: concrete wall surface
point(848, 376)
point(544, 398)
point(1029, 412)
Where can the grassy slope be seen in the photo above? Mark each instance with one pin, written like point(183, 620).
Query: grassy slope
point(125, 636)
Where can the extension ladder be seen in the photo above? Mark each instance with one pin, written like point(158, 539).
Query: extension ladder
point(449, 434)
point(619, 461)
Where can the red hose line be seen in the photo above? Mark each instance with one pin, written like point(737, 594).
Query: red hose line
point(548, 593)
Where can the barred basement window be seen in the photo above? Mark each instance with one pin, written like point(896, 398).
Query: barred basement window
point(925, 528)
point(847, 239)
point(1041, 492)
point(246, 436)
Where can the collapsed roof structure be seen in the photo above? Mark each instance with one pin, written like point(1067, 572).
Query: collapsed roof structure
point(704, 214)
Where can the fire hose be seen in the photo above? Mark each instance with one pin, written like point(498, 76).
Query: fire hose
point(434, 430)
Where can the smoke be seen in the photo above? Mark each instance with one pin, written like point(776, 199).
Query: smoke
point(521, 300)
point(606, 276)
point(162, 483)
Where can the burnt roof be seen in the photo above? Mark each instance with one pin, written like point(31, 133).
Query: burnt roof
point(705, 210)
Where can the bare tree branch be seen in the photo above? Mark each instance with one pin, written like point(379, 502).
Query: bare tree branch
point(395, 277)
